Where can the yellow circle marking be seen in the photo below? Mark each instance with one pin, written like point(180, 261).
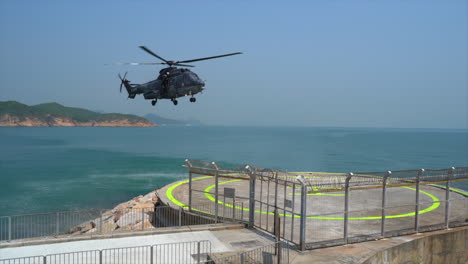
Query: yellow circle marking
point(169, 195)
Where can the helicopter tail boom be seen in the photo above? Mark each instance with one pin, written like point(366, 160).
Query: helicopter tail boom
point(132, 89)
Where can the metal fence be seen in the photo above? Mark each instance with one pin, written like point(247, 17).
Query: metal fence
point(327, 209)
point(275, 253)
point(45, 224)
point(93, 222)
point(172, 253)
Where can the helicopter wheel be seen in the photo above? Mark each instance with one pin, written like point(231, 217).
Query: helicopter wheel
point(153, 102)
point(174, 102)
point(193, 99)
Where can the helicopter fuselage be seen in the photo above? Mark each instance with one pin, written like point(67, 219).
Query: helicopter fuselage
point(171, 83)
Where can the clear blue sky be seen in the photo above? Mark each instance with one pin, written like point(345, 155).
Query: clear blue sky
point(305, 63)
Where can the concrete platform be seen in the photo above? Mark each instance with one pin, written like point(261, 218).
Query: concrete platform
point(325, 210)
point(225, 240)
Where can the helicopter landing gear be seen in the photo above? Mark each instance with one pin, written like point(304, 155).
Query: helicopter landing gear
point(193, 99)
point(174, 101)
point(154, 102)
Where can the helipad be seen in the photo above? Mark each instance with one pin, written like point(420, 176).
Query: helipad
point(325, 206)
point(325, 213)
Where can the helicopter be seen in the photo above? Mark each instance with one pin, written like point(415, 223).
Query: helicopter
point(171, 83)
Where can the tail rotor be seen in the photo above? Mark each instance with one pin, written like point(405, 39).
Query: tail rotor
point(123, 81)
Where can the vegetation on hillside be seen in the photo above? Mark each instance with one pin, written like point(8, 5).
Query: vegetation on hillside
point(45, 111)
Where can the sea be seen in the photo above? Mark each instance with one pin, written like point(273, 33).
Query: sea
point(50, 169)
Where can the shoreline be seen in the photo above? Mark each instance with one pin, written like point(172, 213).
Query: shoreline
point(128, 215)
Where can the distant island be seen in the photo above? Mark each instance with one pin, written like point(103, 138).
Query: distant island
point(162, 121)
point(15, 114)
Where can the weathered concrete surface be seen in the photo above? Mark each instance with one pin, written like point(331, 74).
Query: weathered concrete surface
point(222, 240)
point(444, 246)
point(447, 247)
point(76, 246)
point(126, 233)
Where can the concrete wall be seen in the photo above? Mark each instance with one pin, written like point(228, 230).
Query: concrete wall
point(449, 248)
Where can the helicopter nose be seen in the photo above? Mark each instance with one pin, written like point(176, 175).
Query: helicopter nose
point(197, 80)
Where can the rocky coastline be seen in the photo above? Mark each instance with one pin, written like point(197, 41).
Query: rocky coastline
point(15, 114)
point(13, 121)
point(131, 215)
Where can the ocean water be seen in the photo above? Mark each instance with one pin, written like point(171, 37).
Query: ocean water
point(57, 169)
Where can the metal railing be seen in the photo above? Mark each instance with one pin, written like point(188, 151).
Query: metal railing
point(171, 253)
point(46, 224)
point(275, 253)
point(327, 209)
point(93, 222)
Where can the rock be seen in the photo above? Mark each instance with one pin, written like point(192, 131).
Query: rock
point(121, 206)
point(109, 226)
point(129, 227)
point(155, 199)
point(80, 229)
point(129, 218)
point(87, 227)
point(92, 230)
point(105, 218)
point(146, 224)
point(108, 213)
point(74, 230)
point(118, 214)
point(125, 216)
point(148, 206)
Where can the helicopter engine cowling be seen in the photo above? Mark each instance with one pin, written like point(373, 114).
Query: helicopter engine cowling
point(150, 95)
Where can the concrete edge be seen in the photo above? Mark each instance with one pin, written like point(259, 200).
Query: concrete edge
point(363, 251)
point(410, 239)
point(157, 231)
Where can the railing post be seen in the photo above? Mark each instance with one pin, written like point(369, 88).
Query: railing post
point(198, 252)
point(276, 190)
point(57, 225)
point(416, 211)
point(101, 228)
point(302, 233)
point(189, 165)
point(275, 218)
point(180, 216)
point(100, 256)
point(447, 197)
point(152, 255)
point(280, 253)
point(142, 218)
point(277, 234)
point(234, 208)
point(346, 208)
point(242, 258)
point(216, 191)
point(9, 228)
point(44, 259)
point(384, 202)
point(251, 197)
point(242, 212)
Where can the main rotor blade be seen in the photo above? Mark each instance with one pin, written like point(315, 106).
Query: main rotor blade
point(152, 53)
point(139, 63)
point(183, 65)
point(209, 58)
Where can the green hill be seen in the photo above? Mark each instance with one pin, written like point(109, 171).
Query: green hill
point(48, 113)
